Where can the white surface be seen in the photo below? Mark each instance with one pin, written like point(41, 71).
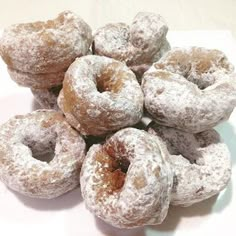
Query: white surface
point(67, 216)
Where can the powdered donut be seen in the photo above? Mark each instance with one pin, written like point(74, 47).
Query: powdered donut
point(198, 65)
point(100, 95)
point(140, 69)
point(138, 45)
point(190, 89)
point(47, 98)
point(24, 142)
point(127, 181)
point(37, 81)
point(45, 47)
point(201, 163)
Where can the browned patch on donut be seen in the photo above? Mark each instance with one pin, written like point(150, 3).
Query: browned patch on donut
point(159, 66)
point(2, 157)
point(67, 103)
point(40, 25)
point(6, 57)
point(48, 176)
point(163, 74)
point(47, 38)
point(34, 184)
point(201, 60)
point(175, 58)
point(71, 98)
point(110, 80)
point(140, 181)
point(160, 74)
point(57, 117)
point(110, 173)
point(157, 171)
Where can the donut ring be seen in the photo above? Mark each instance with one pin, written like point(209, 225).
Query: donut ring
point(36, 134)
point(200, 162)
point(127, 181)
point(45, 47)
point(173, 98)
point(47, 98)
point(138, 45)
point(100, 95)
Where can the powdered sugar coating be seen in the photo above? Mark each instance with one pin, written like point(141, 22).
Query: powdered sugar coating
point(138, 197)
point(201, 66)
point(176, 101)
point(45, 47)
point(47, 98)
point(100, 95)
point(139, 70)
point(36, 81)
point(139, 44)
point(201, 163)
point(39, 133)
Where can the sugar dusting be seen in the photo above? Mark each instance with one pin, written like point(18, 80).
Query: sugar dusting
point(177, 101)
point(200, 162)
point(139, 44)
point(45, 47)
point(38, 132)
point(97, 113)
point(145, 194)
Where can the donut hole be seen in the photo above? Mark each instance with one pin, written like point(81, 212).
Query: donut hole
point(56, 90)
point(112, 171)
point(42, 149)
point(44, 157)
point(109, 80)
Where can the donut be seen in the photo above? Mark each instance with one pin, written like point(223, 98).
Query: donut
point(47, 98)
point(37, 81)
point(190, 89)
point(100, 95)
point(138, 45)
point(127, 181)
point(27, 143)
point(44, 47)
point(200, 162)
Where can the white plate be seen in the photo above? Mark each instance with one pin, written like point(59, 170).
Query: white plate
point(67, 215)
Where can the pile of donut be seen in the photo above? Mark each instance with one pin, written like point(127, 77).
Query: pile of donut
point(123, 115)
